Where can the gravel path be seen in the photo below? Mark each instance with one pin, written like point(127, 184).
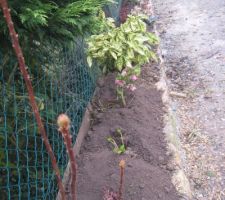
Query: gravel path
point(193, 45)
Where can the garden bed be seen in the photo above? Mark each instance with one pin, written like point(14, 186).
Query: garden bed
point(147, 172)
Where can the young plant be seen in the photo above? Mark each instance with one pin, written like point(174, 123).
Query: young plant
point(122, 168)
point(126, 80)
point(63, 122)
point(111, 195)
point(119, 149)
point(124, 48)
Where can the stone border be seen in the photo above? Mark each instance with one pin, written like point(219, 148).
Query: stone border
point(171, 130)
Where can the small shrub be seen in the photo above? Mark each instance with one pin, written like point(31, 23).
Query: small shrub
point(123, 50)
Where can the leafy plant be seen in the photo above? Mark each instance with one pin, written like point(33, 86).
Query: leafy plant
point(126, 79)
point(124, 48)
point(129, 45)
point(118, 148)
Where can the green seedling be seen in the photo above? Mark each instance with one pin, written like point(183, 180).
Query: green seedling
point(118, 149)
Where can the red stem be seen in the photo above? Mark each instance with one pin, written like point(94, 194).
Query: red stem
point(22, 67)
point(121, 182)
point(69, 147)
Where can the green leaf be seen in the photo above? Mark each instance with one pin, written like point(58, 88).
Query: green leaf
point(130, 53)
point(128, 63)
point(119, 63)
point(41, 106)
point(89, 61)
point(113, 55)
point(121, 149)
point(137, 70)
point(142, 39)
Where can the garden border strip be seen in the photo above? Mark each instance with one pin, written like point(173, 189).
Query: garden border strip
point(171, 129)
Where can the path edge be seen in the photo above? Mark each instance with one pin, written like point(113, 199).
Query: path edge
point(171, 128)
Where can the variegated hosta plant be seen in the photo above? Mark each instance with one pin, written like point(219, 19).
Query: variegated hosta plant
point(124, 50)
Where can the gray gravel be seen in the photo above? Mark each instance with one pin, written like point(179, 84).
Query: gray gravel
point(193, 45)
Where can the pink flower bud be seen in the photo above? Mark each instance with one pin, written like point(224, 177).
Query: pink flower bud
point(120, 83)
point(117, 81)
point(133, 77)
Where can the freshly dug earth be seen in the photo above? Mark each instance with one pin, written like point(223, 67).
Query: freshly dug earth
point(126, 8)
point(147, 175)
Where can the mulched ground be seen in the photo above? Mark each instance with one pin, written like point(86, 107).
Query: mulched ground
point(146, 173)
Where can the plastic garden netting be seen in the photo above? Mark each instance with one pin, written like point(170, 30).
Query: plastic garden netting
point(62, 83)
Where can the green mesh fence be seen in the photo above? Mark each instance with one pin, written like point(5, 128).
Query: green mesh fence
point(62, 82)
point(113, 10)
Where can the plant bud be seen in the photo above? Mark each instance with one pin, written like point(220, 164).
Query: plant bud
point(122, 164)
point(63, 121)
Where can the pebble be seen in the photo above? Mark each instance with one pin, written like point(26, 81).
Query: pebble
point(167, 189)
point(129, 165)
point(159, 195)
point(142, 186)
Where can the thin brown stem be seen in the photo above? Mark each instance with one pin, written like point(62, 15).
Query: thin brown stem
point(122, 167)
point(22, 67)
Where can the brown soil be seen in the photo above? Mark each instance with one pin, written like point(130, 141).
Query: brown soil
point(126, 8)
point(146, 174)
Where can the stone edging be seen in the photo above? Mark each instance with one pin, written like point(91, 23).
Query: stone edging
point(171, 130)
